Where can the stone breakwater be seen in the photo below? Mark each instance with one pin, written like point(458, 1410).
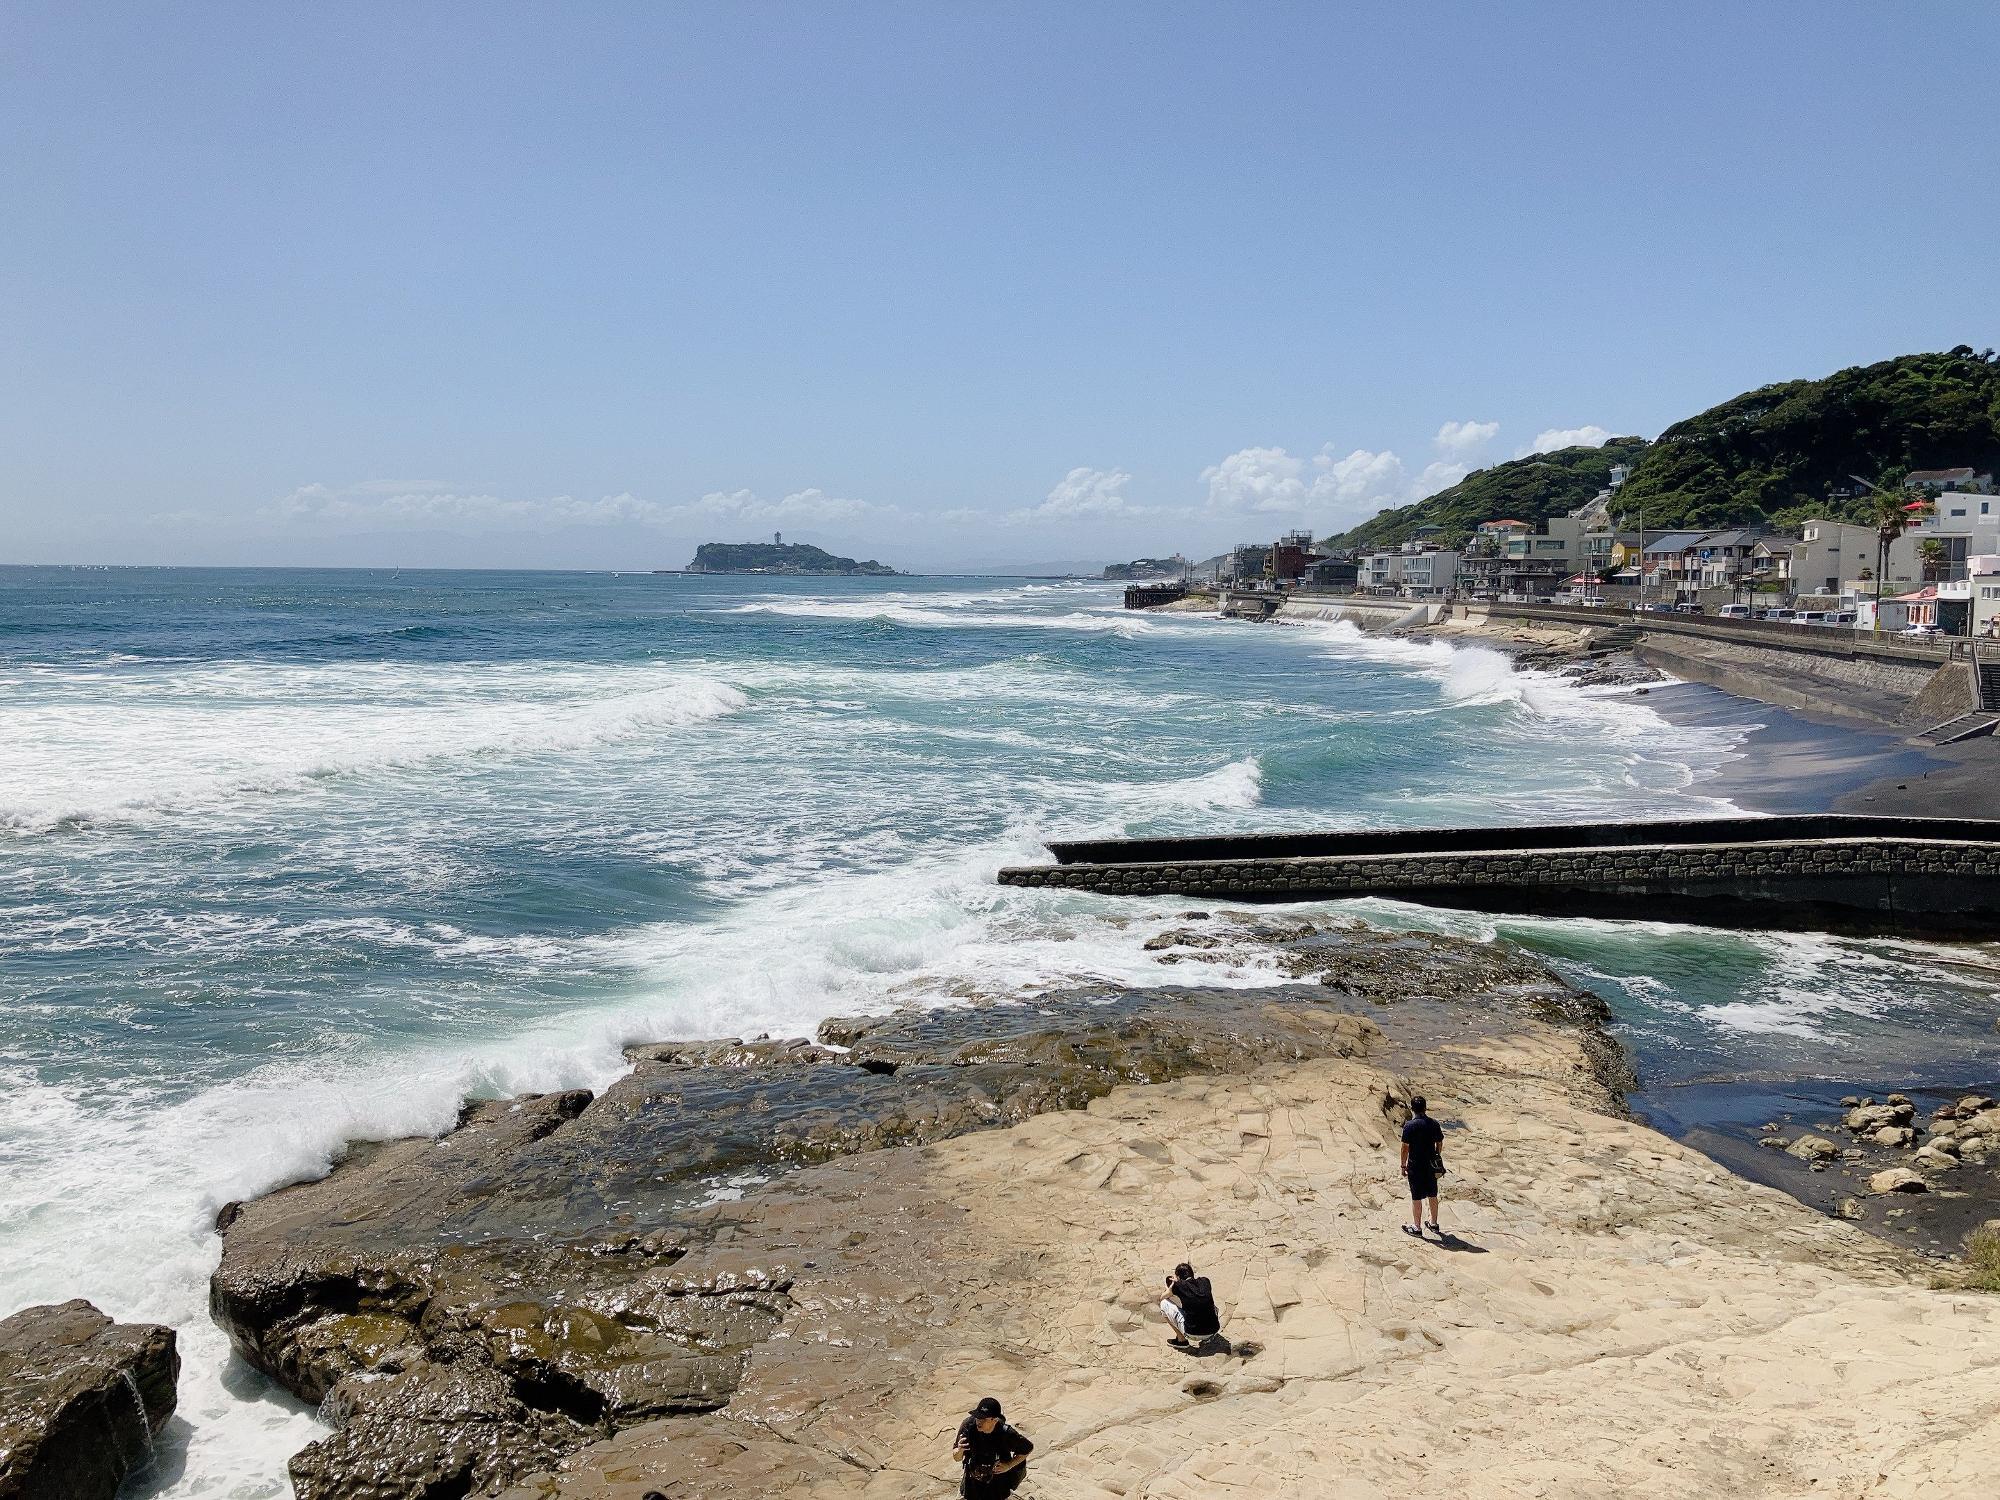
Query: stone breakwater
point(1865, 883)
point(561, 1269)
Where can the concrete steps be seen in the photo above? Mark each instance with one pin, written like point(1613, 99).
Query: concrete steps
point(1970, 726)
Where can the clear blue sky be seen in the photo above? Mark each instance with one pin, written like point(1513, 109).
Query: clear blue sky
point(583, 285)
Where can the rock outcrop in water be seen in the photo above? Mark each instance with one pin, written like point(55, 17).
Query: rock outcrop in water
point(80, 1400)
point(555, 1270)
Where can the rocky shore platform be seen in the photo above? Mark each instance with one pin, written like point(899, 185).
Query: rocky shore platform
point(788, 1267)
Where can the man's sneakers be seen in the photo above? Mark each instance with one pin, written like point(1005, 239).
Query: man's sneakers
point(1413, 1231)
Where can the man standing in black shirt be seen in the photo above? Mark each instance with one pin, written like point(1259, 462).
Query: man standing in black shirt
point(1423, 1164)
point(1190, 1306)
point(995, 1456)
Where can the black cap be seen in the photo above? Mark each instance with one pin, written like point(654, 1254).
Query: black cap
point(987, 1407)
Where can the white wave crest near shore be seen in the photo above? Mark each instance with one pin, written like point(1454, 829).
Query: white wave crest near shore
point(177, 741)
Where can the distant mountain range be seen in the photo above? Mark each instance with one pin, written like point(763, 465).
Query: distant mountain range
point(781, 557)
point(1782, 453)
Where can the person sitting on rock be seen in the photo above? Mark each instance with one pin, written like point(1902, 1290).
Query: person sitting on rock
point(1423, 1164)
point(1190, 1306)
point(993, 1452)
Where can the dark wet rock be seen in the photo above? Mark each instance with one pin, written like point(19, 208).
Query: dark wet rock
point(1181, 937)
point(433, 1430)
point(80, 1400)
point(734, 1054)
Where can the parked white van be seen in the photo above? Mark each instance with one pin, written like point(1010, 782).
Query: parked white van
point(1733, 612)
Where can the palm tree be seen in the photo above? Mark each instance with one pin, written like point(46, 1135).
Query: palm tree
point(1892, 519)
point(1932, 552)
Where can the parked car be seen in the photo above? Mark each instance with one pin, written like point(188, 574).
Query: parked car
point(1918, 630)
point(1844, 617)
point(1811, 617)
point(1688, 609)
point(1733, 612)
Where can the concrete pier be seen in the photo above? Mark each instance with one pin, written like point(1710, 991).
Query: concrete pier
point(1824, 871)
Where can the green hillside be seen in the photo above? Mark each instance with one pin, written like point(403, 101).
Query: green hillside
point(1523, 489)
point(779, 557)
point(1774, 454)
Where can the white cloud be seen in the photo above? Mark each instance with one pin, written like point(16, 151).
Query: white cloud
point(1588, 436)
point(395, 505)
point(379, 505)
point(1437, 475)
point(1256, 480)
point(743, 507)
point(1089, 492)
point(1266, 481)
point(1463, 437)
point(1361, 478)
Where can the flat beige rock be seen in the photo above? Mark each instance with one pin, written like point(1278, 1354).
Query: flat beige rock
point(1617, 1315)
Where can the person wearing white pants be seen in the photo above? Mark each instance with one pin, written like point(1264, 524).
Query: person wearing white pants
point(1189, 1306)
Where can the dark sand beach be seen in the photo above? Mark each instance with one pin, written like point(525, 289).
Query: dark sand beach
point(1795, 764)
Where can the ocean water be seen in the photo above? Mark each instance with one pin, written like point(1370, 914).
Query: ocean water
point(288, 858)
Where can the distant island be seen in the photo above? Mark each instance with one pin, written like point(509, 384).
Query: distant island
point(781, 557)
point(1147, 567)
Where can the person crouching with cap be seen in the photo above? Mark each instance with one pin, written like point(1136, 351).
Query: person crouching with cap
point(995, 1456)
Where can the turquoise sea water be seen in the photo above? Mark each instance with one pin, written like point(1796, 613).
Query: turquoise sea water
point(291, 857)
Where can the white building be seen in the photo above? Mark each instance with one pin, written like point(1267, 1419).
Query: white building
point(1943, 481)
point(1983, 581)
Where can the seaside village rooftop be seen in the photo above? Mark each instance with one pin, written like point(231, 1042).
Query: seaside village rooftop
point(1937, 569)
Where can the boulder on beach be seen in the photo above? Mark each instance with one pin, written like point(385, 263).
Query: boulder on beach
point(1894, 1136)
point(1865, 1119)
point(80, 1400)
point(1897, 1180)
point(1810, 1147)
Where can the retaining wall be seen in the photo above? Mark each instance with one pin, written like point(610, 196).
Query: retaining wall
point(1370, 615)
point(1897, 680)
point(1880, 690)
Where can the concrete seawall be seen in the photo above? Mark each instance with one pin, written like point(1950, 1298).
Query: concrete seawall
point(1855, 874)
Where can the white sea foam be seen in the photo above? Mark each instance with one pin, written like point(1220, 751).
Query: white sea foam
point(969, 611)
point(100, 748)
